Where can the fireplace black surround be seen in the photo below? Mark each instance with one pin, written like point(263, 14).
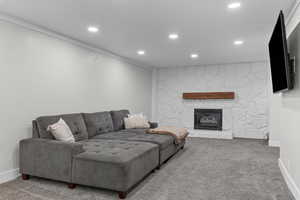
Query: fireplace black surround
point(208, 119)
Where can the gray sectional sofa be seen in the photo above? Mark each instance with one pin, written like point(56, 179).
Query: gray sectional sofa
point(104, 155)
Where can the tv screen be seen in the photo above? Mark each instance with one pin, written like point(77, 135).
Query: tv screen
point(279, 57)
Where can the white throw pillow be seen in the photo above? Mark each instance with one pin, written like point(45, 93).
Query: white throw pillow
point(136, 121)
point(61, 131)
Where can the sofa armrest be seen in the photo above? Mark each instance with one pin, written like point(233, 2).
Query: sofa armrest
point(153, 124)
point(46, 158)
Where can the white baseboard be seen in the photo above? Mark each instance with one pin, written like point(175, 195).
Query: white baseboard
point(250, 136)
point(9, 175)
point(274, 143)
point(289, 180)
point(210, 134)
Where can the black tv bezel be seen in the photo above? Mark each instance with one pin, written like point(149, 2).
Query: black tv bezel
point(285, 52)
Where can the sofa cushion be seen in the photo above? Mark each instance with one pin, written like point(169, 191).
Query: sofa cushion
point(114, 164)
point(117, 135)
point(74, 121)
point(118, 119)
point(98, 123)
point(135, 130)
point(139, 135)
point(112, 150)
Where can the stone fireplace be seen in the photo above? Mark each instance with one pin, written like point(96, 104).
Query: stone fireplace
point(208, 119)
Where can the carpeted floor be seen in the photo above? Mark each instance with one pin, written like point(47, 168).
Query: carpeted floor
point(206, 169)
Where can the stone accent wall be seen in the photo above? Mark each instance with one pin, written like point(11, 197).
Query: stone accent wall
point(246, 116)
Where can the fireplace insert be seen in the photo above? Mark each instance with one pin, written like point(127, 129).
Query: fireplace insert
point(208, 119)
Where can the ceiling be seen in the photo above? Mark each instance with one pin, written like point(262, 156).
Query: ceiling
point(205, 27)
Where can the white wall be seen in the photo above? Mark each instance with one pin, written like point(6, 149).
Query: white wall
point(274, 120)
point(41, 75)
point(249, 110)
point(285, 120)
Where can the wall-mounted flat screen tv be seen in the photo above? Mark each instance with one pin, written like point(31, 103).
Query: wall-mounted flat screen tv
point(279, 57)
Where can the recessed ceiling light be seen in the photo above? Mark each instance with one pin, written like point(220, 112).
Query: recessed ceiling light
point(173, 36)
point(238, 42)
point(93, 29)
point(141, 52)
point(234, 5)
point(194, 55)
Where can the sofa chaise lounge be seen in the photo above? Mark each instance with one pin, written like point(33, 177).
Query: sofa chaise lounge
point(104, 154)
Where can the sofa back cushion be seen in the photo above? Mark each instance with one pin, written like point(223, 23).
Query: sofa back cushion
point(98, 123)
point(118, 118)
point(74, 121)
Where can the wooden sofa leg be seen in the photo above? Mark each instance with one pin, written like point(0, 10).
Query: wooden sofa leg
point(182, 147)
point(71, 186)
point(122, 195)
point(25, 177)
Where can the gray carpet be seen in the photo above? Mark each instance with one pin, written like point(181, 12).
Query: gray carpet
point(206, 169)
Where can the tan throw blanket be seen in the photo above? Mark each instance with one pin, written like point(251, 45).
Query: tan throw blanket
point(178, 133)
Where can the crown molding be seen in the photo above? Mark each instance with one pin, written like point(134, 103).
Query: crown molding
point(37, 28)
point(214, 64)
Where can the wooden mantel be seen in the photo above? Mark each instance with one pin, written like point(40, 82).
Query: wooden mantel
point(208, 95)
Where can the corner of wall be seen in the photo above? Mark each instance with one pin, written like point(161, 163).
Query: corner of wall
point(274, 143)
point(154, 95)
